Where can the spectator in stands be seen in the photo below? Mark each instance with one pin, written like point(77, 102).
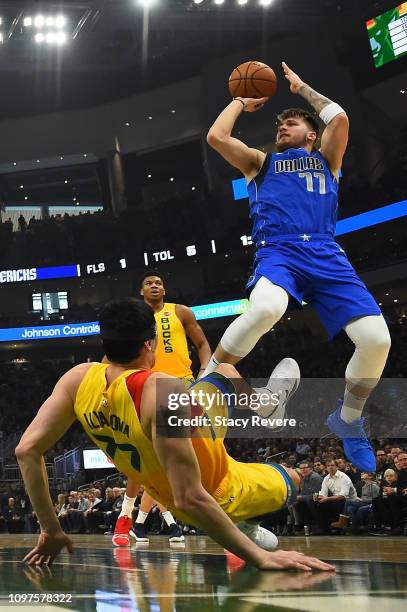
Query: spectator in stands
point(336, 488)
point(22, 224)
point(311, 484)
point(76, 514)
point(348, 469)
point(95, 515)
point(356, 510)
point(112, 515)
point(381, 505)
point(381, 464)
point(398, 502)
point(60, 503)
point(319, 467)
point(64, 514)
point(395, 451)
point(14, 517)
point(302, 449)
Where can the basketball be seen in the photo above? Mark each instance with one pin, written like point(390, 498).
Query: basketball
point(253, 80)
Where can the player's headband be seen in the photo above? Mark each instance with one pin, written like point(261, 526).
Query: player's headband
point(122, 336)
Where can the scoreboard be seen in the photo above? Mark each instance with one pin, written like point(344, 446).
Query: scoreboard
point(182, 252)
point(388, 35)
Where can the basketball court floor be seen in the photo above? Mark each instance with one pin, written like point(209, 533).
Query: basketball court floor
point(197, 575)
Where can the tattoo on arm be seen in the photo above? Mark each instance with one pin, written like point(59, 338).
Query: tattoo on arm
point(317, 101)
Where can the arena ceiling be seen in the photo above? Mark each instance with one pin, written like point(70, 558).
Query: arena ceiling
point(116, 48)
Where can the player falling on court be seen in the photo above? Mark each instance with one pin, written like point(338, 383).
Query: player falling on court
point(293, 196)
point(175, 322)
point(122, 406)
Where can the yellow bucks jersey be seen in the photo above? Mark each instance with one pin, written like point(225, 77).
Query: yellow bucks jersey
point(172, 356)
point(110, 417)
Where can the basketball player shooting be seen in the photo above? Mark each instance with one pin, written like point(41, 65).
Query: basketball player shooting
point(293, 196)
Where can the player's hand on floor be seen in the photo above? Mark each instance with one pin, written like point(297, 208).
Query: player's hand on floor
point(48, 547)
point(295, 82)
point(290, 559)
point(251, 105)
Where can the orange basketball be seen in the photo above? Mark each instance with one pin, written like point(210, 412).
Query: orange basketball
point(253, 80)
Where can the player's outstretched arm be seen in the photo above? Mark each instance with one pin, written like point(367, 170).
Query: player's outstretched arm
point(54, 418)
point(335, 136)
point(238, 154)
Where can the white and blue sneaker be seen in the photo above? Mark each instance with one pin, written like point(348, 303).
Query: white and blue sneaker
point(283, 383)
point(356, 445)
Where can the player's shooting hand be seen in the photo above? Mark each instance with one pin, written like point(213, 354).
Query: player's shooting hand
point(251, 105)
point(290, 559)
point(48, 547)
point(295, 82)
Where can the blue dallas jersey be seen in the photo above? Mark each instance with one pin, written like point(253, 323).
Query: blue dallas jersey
point(294, 193)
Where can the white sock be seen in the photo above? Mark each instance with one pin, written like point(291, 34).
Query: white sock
point(352, 407)
point(211, 367)
point(167, 516)
point(141, 517)
point(127, 506)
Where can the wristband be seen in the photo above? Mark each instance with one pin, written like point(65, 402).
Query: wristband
point(329, 112)
point(239, 100)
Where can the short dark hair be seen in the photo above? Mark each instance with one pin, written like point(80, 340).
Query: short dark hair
point(306, 463)
point(289, 113)
point(150, 273)
point(125, 325)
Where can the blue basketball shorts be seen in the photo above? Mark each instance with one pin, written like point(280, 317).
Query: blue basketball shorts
point(315, 270)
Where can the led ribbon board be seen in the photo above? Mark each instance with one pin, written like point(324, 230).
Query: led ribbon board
point(79, 330)
point(32, 274)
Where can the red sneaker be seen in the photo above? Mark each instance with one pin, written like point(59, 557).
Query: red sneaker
point(121, 535)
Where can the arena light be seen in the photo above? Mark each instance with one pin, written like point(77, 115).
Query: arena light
point(39, 21)
point(39, 37)
point(60, 21)
point(219, 2)
point(265, 2)
point(28, 21)
point(50, 37)
point(49, 21)
point(242, 2)
point(60, 38)
point(198, 1)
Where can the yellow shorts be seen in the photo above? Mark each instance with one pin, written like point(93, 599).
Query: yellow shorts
point(250, 490)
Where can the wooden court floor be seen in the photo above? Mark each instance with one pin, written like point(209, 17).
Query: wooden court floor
point(371, 576)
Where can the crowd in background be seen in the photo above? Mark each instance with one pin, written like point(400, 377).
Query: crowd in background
point(334, 497)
